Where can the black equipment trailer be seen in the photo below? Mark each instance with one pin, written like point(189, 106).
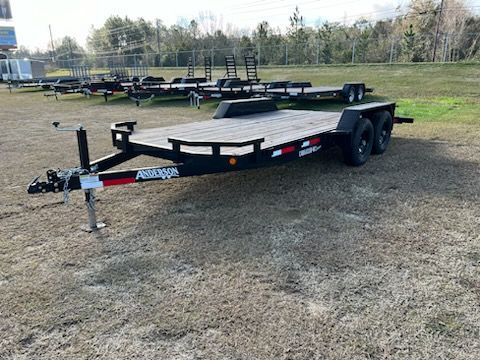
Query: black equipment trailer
point(280, 90)
point(230, 86)
point(243, 134)
point(177, 86)
point(349, 92)
point(117, 80)
point(45, 83)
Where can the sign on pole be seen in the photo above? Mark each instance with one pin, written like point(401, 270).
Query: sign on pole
point(8, 40)
point(5, 10)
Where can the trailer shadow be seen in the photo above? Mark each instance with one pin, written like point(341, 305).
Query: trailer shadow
point(315, 212)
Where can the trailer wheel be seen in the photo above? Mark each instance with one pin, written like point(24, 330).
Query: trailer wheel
point(360, 93)
point(357, 150)
point(382, 125)
point(349, 95)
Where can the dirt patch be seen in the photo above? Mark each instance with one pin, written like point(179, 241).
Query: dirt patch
point(309, 260)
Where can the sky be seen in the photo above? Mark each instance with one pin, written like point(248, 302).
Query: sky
point(75, 18)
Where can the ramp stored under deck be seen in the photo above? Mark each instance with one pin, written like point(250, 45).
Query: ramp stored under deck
point(275, 127)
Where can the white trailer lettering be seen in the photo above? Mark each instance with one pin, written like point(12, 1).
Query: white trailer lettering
point(158, 173)
point(309, 150)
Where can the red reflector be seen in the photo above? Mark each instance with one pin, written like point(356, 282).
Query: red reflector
point(288, 149)
point(314, 141)
point(118, 181)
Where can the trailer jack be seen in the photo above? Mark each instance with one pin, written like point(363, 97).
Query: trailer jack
point(65, 180)
point(93, 224)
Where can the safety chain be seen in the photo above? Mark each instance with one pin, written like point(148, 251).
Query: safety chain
point(65, 175)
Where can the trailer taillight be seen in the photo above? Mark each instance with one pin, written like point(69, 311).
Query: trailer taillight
point(232, 161)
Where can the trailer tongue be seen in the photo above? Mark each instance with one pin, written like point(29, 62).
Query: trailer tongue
point(243, 134)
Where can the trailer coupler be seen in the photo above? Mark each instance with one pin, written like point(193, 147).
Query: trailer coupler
point(57, 180)
point(53, 184)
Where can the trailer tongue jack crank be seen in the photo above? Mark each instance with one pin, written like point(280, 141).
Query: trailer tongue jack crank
point(243, 134)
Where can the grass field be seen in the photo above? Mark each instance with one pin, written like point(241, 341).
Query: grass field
point(428, 92)
point(312, 259)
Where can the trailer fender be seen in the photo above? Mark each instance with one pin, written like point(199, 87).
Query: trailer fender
point(351, 114)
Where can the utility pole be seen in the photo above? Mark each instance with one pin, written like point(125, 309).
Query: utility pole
point(436, 31)
point(51, 41)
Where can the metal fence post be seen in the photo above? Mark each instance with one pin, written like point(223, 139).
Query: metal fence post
point(391, 51)
point(445, 47)
point(259, 57)
point(176, 58)
point(213, 57)
point(286, 54)
point(353, 52)
point(318, 51)
point(193, 58)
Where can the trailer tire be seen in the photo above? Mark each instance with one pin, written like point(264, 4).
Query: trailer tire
point(382, 125)
point(349, 94)
point(358, 148)
point(360, 92)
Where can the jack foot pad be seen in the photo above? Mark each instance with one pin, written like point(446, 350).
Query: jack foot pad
point(98, 226)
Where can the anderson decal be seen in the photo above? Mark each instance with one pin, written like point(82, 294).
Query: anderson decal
point(309, 150)
point(158, 173)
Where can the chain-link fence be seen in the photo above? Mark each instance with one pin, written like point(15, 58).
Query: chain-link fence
point(449, 47)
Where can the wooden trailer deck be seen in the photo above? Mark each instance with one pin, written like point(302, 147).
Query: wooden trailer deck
point(275, 127)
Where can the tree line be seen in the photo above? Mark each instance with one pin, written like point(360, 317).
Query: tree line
point(426, 31)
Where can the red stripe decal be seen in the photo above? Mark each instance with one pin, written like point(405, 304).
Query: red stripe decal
point(118, 181)
point(288, 149)
point(314, 141)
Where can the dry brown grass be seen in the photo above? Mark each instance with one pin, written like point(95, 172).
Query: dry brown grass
point(309, 260)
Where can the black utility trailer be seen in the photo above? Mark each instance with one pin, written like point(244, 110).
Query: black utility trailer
point(177, 86)
point(278, 90)
point(349, 92)
point(243, 134)
point(45, 82)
